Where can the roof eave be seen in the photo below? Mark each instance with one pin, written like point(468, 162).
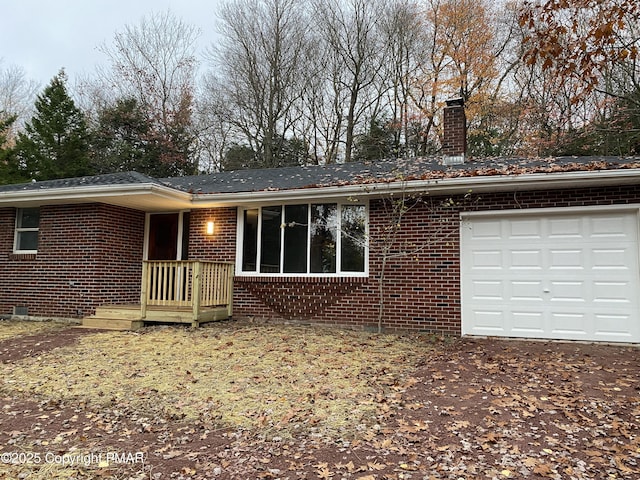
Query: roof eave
point(152, 197)
point(144, 196)
point(440, 186)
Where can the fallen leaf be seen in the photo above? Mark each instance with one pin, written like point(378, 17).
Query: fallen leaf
point(376, 466)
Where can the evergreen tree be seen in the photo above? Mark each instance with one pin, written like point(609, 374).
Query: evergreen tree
point(125, 138)
point(55, 143)
point(287, 152)
point(122, 140)
point(377, 144)
point(240, 157)
point(8, 164)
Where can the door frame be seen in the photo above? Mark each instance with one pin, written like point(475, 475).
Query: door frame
point(180, 235)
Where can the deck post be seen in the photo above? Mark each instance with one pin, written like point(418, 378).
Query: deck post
point(196, 292)
point(230, 290)
point(144, 290)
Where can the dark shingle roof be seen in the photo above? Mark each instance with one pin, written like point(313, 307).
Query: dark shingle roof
point(124, 178)
point(292, 178)
point(282, 178)
point(289, 178)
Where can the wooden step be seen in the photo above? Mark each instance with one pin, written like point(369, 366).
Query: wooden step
point(111, 323)
point(185, 315)
point(170, 316)
point(122, 312)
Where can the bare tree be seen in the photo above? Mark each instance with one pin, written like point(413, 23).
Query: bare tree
point(461, 59)
point(17, 94)
point(259, 67)
point(403, 38)
point(216, 131)
point(154, 63)
point(349, 33)
point(395, 243)
point(322, 107)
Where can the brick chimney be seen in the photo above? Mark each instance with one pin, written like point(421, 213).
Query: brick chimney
point(454, 138)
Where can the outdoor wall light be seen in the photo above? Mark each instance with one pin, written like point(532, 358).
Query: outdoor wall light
point(209, 228)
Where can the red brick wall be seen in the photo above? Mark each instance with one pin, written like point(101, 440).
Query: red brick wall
point(87, 255)
point(221, 246)
point(420, 291)
point(91, 254)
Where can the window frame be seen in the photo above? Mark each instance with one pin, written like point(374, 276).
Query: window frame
point(337, 274)
point(19, 229)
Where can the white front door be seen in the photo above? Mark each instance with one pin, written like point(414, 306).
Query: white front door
point(554, 275)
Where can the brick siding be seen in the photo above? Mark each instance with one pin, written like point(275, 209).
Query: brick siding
point(221, 246)
point(92, 254)
point(87, 255)
point(421, 291)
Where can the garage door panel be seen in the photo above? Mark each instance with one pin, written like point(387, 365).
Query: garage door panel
point(612, 292)
point(490, 322)
point(567, 276)
point(567, 291)
point(611, 258)
point(487, 259)
point(611, 325)
point(526, 291)
point(561, 259)
point(487, 230)
point(526, 259)
point(527, 323)
point(525, 229)
point(570, 228)
point(611, 226)
point(487, 290)
point(568, 323)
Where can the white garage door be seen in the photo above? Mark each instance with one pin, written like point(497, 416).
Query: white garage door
point(571, 276)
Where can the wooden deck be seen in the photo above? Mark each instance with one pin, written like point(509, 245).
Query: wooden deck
point(129, 317)
point(187, 292)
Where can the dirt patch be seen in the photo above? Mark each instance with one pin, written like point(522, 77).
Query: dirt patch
point(19, 340)
point(468, 410)
point(17, 328)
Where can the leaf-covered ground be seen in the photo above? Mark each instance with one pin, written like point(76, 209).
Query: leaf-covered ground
point(247, 401)
point(12, 328)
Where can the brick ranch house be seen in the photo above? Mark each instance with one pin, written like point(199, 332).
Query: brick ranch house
point(536, 248)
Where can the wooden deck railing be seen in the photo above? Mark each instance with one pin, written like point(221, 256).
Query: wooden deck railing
point(188, 283)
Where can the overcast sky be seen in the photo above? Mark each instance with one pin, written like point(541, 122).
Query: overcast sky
point(42, 36)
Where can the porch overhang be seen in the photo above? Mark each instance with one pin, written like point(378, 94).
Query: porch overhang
point(147, 197)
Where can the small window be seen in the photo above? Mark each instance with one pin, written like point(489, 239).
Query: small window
point(27, 228)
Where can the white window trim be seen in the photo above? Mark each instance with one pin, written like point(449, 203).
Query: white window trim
point(18, 230)
point(257, 273)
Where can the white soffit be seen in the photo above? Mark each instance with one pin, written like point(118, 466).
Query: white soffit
point(145, 197)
